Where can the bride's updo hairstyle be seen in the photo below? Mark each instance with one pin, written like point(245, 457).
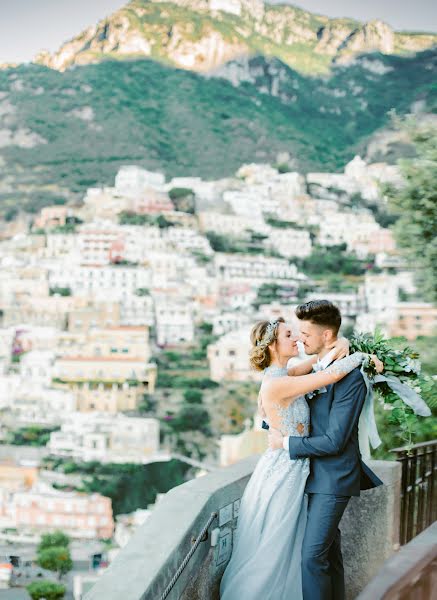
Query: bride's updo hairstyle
point(262, 335)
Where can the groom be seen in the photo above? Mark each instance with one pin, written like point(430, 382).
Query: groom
point(337, 471)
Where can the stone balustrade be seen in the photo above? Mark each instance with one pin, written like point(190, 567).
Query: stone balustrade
point(144, 568)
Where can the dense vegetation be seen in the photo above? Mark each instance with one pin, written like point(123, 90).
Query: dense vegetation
point(31, 435)
point(130, 486)
point(416, 206)
point(174, 121)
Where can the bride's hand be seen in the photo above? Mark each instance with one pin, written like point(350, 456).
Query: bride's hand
point(379, 365)
point(341, 347)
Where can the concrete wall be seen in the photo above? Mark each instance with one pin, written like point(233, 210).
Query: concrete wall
point(147, 564)
point(410, 563)
point(370, 528)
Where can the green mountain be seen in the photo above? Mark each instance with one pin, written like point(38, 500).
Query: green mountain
point(198, 87)
point(200, 35)
point(63, 132)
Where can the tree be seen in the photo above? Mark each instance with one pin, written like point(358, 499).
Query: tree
point(416, 204)
point(193, 396)
point(55, 558)
point(192, 418)
point(183, 199)
point(50, 590)
point(56, 539)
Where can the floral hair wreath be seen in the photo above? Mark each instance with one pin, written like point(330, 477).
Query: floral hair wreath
point(267, 337)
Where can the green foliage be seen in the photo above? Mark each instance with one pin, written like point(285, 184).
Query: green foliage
point(132, 486)
point(177, 193)
point(416, 205)
point(402, 363)
point(183, 199)
point(281, 224)
point(191, 417)
point(179, 382)
point(33, 435)
point(56, 539)
point(46, 590)
point(67, 228)
point(142, 292)
point(62, 291)
point(193, 396)
point(55, 558)
point(131, 218)
point(222, 243)
point(206, 327)
point(253, 245)
point(271, 292)
point(179, 125)
point(148, 404)
point(334, 259)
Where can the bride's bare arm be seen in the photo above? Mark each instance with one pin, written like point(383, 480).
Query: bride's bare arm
point(339, 349)
point(302, 368)
point(289, 388)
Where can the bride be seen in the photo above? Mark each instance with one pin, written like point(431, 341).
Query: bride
point(266, 556)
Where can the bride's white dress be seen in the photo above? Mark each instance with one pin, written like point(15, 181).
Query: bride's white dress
point(266, 555)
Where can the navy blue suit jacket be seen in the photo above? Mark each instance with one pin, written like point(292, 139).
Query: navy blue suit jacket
point(336, 465)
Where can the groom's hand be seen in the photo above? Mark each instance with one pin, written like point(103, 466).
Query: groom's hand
point(275, 439)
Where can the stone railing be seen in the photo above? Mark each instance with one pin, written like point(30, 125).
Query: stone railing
point(148, 564)
point(410, 573)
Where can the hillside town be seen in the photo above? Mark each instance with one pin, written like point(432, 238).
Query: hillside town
point(94, 294)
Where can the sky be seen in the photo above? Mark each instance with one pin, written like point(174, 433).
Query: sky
point(28, 26)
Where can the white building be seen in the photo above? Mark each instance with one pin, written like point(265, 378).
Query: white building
point(229, 321)
point(34, 404)
point(348, 228)
point(350, 304)
point(37, 367)
point(169, 267)
point(174, 320)
point(245, 203)
point(131, 179)
point(137, 310)
point(290, 242)
point(10, 384)
point(96, 436)
point(229, 357)
point(254, 268)
point(184, 238)
point(381, 291)
point(233, 225)
point(61, 245)
point(98, 242)
point(117, 281)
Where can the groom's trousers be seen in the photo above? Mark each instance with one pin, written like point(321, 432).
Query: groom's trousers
point(322, 562)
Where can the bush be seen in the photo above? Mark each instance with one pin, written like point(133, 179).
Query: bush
point(55, 558)
point(193, 396)
point(33, 435)
point(191, 418)
point(62, 291)
point(56, 539)
point(50, 590)
point(333, 259)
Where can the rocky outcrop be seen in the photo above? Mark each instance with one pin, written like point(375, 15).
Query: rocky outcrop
point(201, 35)
point(374, 36)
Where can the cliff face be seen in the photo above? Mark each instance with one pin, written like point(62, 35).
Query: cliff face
point(201, 35)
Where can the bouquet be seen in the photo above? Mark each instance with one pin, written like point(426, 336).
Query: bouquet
point(402, 389)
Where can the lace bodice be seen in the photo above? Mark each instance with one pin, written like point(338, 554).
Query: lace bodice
point(294, 419)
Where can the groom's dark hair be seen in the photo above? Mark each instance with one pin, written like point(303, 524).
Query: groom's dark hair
point(320, 312)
